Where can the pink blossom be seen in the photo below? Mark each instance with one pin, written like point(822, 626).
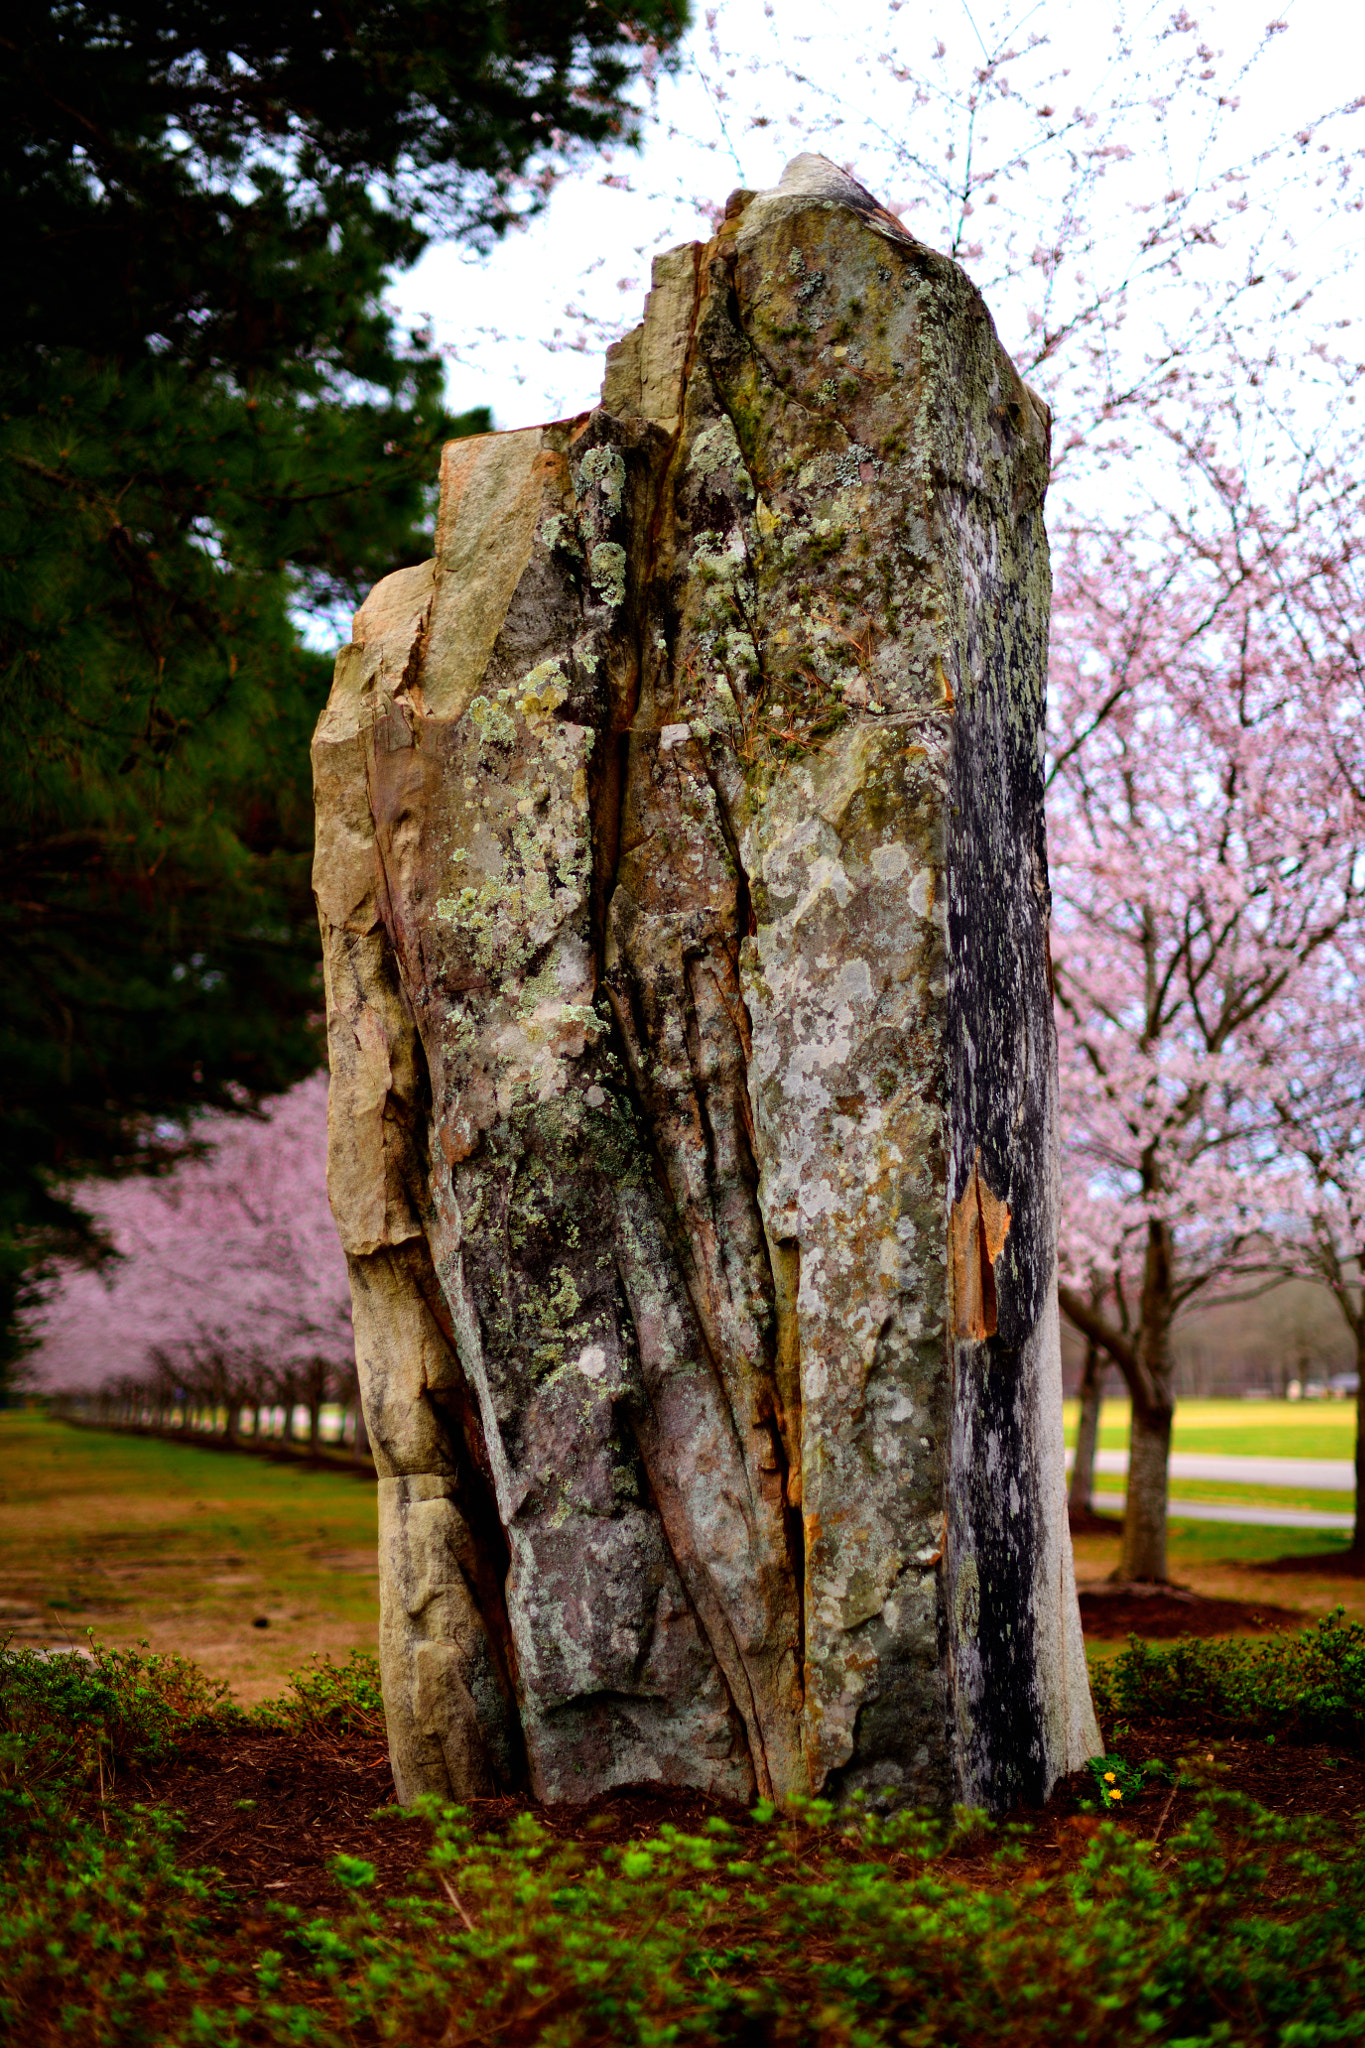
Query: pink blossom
point(237, 1247)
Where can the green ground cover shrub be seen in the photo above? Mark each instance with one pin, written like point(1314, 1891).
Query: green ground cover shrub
point(818, 1931)
point(96, 1920)
point(1311, 1684)
point(811, 1930)
point(68, 1723)
point(342, 1699)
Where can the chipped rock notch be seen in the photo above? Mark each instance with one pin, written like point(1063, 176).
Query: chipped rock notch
point(683, 888)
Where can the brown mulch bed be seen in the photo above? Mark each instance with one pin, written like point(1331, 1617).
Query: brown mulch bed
point(314, 1800)
point(1295, 1779)
point(316, 1795)
point(1110, 1613)
point(310, 1800)
point(1288, 1777)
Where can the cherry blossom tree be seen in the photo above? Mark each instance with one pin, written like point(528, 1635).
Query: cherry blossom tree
point(1316, 1083)
point(1207, 845)
point(1116, 185)
point(228, 1271)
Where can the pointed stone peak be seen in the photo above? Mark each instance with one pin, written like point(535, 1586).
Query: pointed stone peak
point(811, 177)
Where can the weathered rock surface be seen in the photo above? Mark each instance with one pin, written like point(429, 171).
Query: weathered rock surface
point(683, 887)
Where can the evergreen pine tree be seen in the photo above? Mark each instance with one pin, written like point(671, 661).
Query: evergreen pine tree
point(209, 424)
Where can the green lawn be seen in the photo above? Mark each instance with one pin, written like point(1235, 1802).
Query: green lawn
point(1237, 1490)
point(1199, 1546)
point(185, 1546)
point(1241, 1429)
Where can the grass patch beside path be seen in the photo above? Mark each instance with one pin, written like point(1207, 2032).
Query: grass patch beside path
point(185, 1548)
point(1245, 1492)
point(1239, 1429)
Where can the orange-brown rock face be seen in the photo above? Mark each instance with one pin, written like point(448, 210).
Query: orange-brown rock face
point(683, 890)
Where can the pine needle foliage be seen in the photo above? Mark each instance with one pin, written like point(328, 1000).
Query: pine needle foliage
point(211, 426)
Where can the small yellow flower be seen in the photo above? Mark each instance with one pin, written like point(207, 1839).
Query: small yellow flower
point(1109, 1777)
point(1116, 1794)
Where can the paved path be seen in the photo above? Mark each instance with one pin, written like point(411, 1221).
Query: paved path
point(1326, 1475)
point(1235, 1511)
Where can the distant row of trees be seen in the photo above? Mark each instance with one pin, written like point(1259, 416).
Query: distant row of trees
point(213, 1386)
point(227, 1293)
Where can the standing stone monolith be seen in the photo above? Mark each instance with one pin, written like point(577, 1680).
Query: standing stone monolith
point(683, 887)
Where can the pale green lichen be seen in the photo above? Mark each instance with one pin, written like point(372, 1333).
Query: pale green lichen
point(602, 466)
point(582, 1014)
point(563, 1300)
point(557, 532)
point(716, 451)
point(544, 690)
point(609, 572)
point(496, 729)
point(723, 698)
point(462, 910)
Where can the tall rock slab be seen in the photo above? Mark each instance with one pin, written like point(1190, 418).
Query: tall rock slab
point(683, 888)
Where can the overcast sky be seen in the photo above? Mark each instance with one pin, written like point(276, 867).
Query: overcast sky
point(524, 327)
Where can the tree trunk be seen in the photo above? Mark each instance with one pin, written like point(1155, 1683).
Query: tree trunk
point(314, 1425)
point(1087, 1432)
point(1144, 1523)
point(1358, 1539)
point(1149, 1445)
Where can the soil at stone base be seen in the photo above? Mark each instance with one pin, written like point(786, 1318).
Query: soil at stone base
point(316, 1795)
point(313, 1800)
